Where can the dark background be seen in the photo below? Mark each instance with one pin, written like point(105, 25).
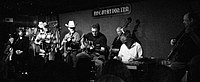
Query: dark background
point(161, 20)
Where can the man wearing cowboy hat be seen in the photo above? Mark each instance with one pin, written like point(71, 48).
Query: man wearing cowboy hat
point(42, 26)
point(70, 38)
point(42, 33)
point(72, 35)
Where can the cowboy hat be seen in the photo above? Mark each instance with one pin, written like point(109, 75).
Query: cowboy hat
point(70, 24)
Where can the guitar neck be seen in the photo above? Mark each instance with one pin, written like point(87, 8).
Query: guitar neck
point(177, 46)
point(127, 23)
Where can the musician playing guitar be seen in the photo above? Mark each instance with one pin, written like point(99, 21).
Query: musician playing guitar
point(9, 49)
point(97, 41)
point(70, 42)
point(40, 38)
point(186, 51)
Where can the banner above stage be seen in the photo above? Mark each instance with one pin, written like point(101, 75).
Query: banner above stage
point(113, 10)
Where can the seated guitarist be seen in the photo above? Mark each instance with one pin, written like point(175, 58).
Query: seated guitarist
point(70, 42)
point(187, 48)
point(97, 46)
point(98, 40)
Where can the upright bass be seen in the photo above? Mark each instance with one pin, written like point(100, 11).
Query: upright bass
point(177, 46)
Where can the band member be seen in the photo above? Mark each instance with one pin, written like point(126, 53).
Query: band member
point(73, 35)
point(116, 43)
point(20, 52)
point(42, 33)
point(39, 42)
point(9, 49)
point(97, 40)
point(97, 47)
point(186, 52)
point(130, 49)
point(70, 42)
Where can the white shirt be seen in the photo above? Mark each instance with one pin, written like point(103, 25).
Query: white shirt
point(134, 52)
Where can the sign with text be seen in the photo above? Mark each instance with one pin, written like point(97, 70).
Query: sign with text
point(8, 20)
point(115, 10)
